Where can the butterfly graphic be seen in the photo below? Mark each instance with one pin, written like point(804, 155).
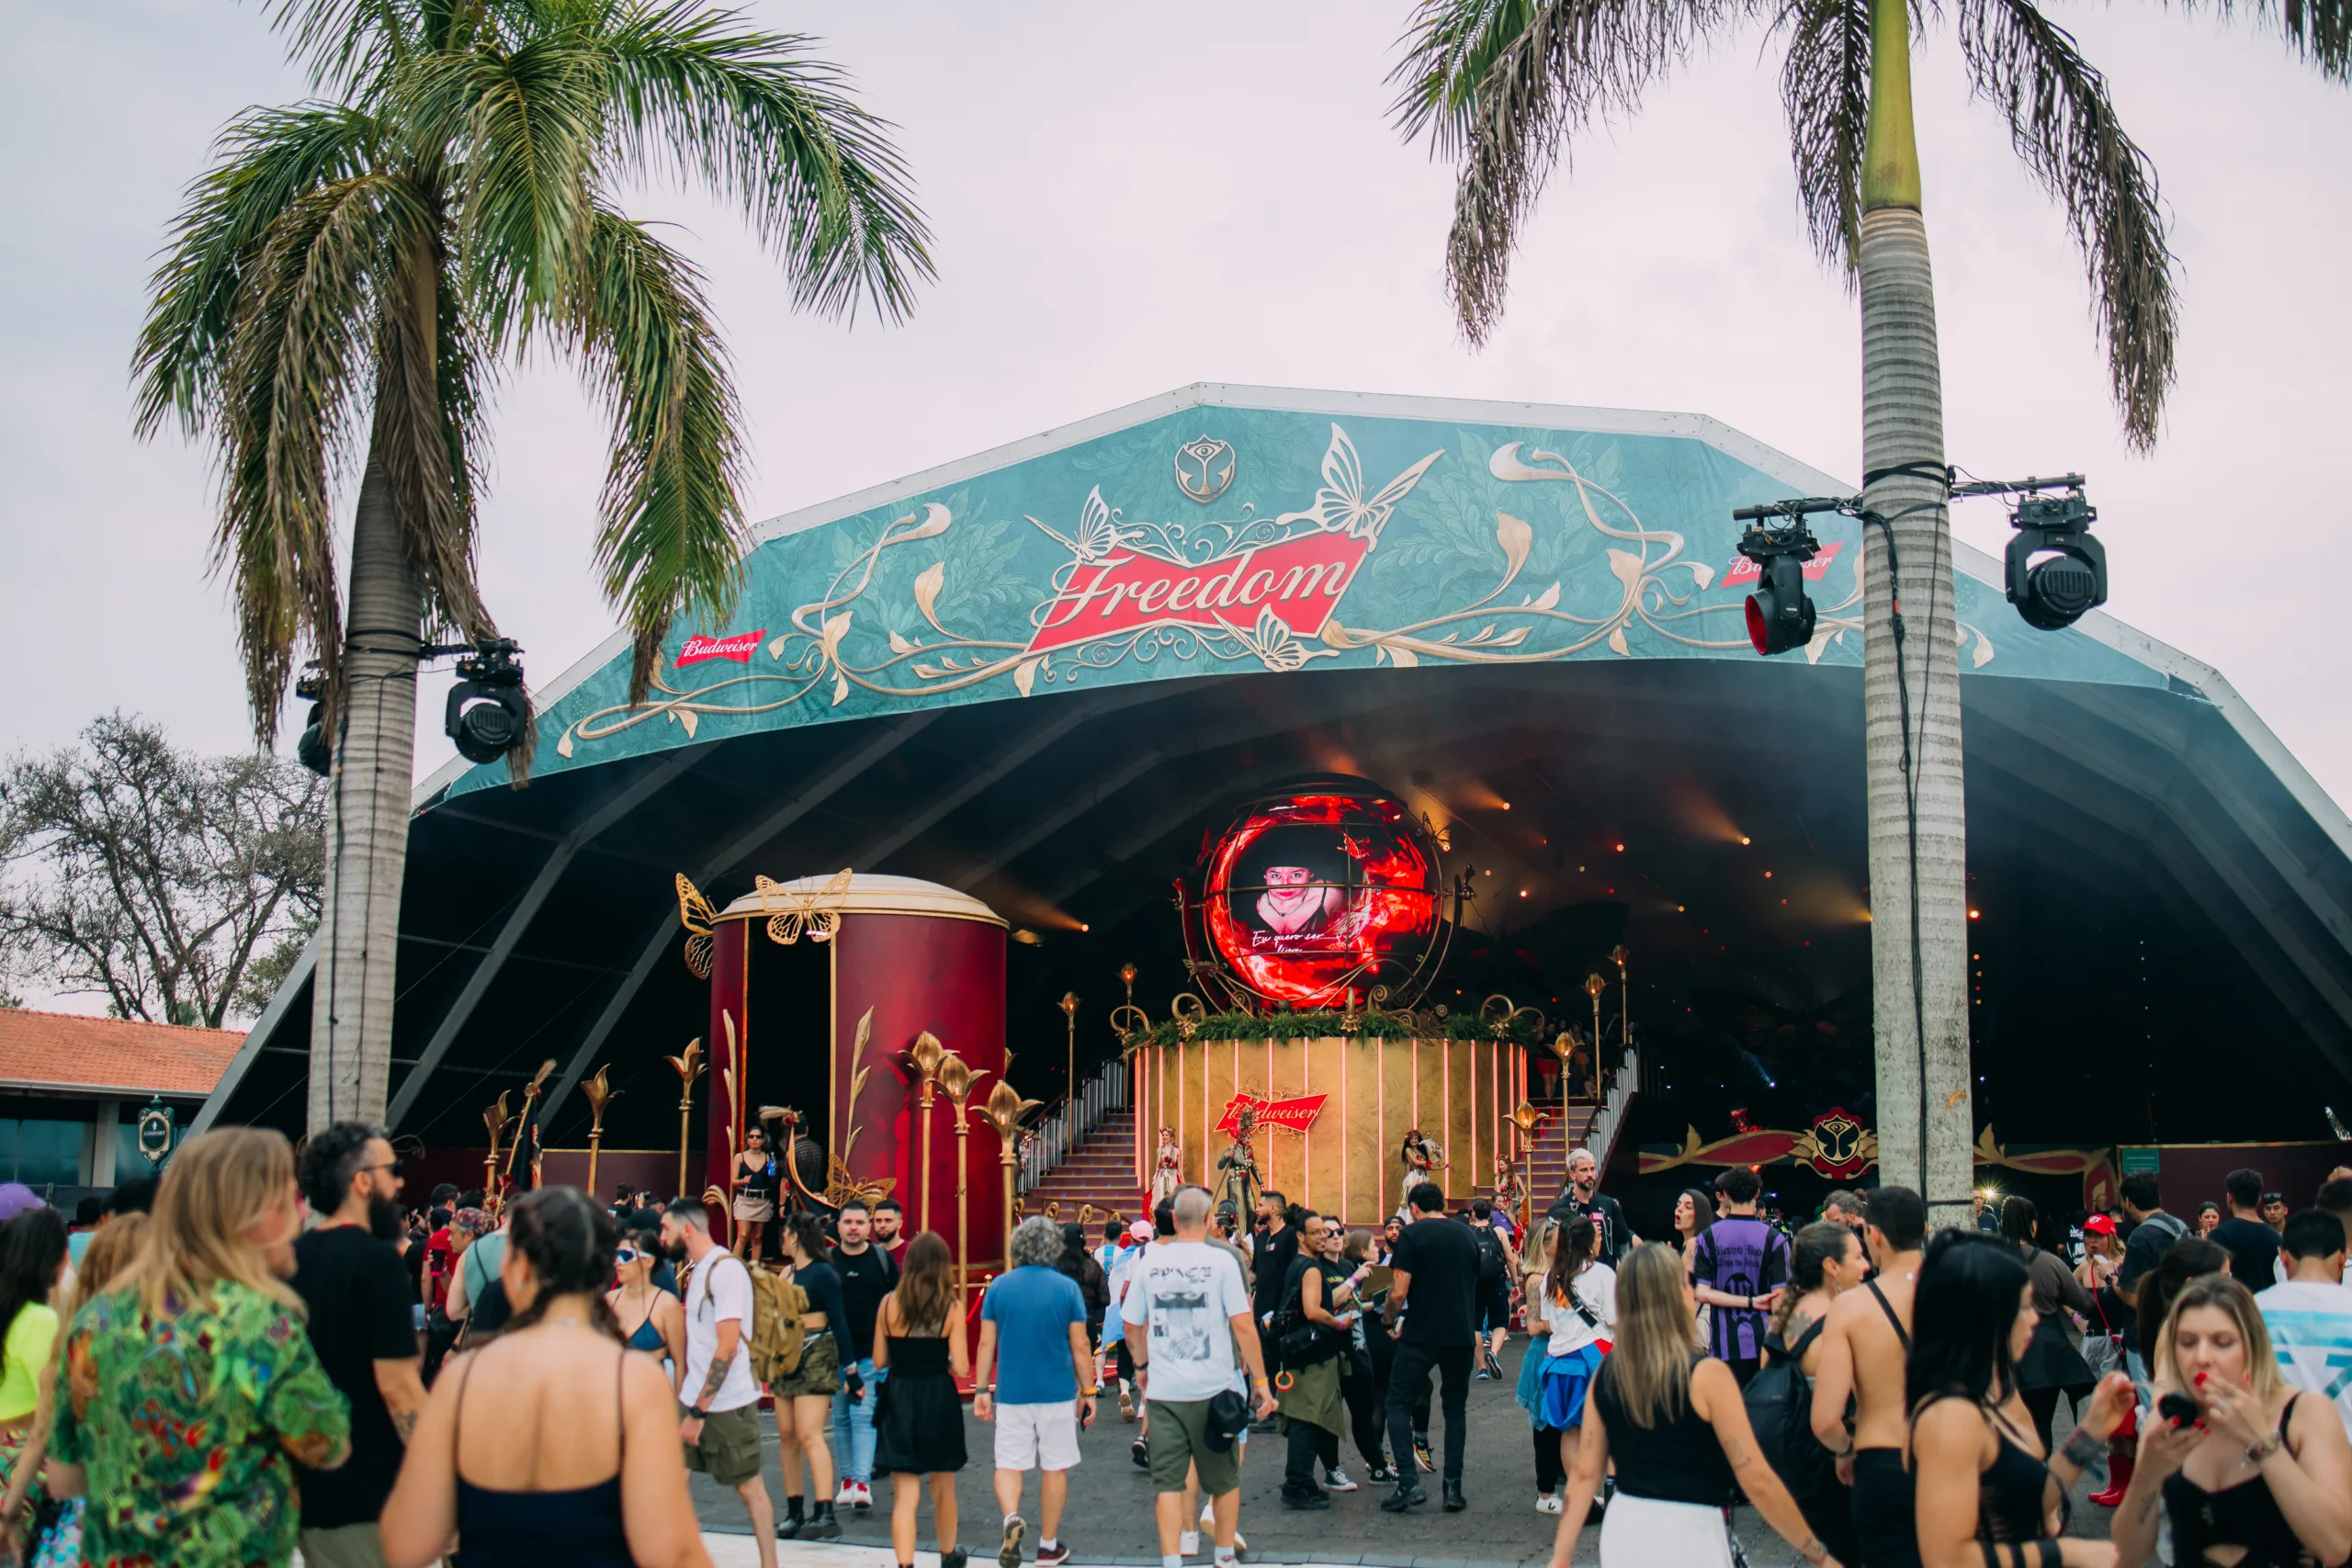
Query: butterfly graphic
point(812, 914)
point(697, 915)
point(1341, 507)
point(1098, 530)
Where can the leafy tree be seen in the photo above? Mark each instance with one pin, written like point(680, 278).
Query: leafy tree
point(345, 283)
point(179, 887)
point(1504, 86)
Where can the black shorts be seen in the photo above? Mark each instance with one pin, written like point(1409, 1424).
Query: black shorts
point(1885, 1518)
point(1494, 1306)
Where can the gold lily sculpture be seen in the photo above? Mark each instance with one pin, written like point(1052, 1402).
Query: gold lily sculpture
point(1003, 1112)
point(600, 1093)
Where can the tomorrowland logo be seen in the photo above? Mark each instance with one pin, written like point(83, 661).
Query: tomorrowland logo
point(1203, 468)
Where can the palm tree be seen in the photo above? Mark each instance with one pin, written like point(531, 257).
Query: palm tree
point(1500, 87)
point(362, 265)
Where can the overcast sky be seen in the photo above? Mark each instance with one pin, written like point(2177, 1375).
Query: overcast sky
point(1128, 198)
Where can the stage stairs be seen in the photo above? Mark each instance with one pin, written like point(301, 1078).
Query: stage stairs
point(1101, 1175)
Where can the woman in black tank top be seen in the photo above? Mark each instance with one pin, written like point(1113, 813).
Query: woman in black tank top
point(1672, 1421)
point(552, 1443)
point(2263, 1478)
point(1986, 1490)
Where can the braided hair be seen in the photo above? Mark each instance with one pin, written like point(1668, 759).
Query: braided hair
point(568, 1239)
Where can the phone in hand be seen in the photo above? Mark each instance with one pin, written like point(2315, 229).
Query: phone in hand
point(2179, 1409)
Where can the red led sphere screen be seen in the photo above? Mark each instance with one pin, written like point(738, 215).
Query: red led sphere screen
point(1310, 893)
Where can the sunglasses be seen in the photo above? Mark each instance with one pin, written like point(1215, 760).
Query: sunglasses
point(2273, 1196)
point(626, 1255)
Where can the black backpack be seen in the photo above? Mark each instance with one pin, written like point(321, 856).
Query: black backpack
point(1780, 1411)
point(1491, 1254)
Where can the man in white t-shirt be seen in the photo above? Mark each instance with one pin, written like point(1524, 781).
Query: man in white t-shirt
point(1188, 1299)
point(718, 1417)
point(2310, 1316)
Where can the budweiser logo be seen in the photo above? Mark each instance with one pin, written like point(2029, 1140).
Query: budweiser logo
point(1298, 581)
point(739, 648)
point(1293, 1114)
point(1744, 574)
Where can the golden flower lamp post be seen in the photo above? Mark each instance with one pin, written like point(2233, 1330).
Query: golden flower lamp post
point(1618, 955)
point(925, 1057)
point(1003, 1112)
point(956, 1079)
point(495, 1118)
point(1593, 986)
point(688, 1068)
point(1070, 1076)
point(1528, 1121)
point(600, 1094)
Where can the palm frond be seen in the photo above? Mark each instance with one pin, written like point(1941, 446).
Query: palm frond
point(523, 123)
point(670, 528)
point(292, 379)
point(2318, 31)
point(1505, 83)
point(1826, 94)
point(270, 160)
point(751, 116)
point(2064, 126)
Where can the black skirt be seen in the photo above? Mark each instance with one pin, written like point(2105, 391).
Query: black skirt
point(2050, 1360)
point(918, 1419)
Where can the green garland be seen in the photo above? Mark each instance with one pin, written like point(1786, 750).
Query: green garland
point(1326, 1025)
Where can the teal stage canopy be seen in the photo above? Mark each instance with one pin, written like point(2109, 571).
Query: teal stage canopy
point(1040, 674)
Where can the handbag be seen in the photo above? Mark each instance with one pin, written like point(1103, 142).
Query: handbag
point(2103, 1351)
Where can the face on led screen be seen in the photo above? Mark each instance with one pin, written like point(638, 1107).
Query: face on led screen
point(1311, 894)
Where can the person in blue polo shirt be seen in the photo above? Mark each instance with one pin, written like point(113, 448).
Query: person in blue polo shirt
point(1032, 1323)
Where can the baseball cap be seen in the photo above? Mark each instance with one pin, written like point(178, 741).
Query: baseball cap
point(15, 1198)
point(1141, 1231)
point(2098, 1224)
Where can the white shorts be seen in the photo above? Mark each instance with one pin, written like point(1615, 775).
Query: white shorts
point(1036, 1436)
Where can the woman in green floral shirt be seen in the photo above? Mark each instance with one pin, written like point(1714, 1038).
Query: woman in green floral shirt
point(190, 1391)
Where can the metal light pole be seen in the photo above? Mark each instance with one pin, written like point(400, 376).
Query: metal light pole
point(1003, 1112)
point(925, 1057)
point(1070, 1075)
point(1593, 986)
point(956, 1079)
point(600, 1093)
point(688, 1068)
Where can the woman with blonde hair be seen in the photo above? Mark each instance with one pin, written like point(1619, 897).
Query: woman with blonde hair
point(194, 1388)
point(2262, 1476)
point(1671, 1420)
point(919, 1421)
point(574, 1456)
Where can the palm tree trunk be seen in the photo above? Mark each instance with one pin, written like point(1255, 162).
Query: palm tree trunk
point(352, 992)
point(1917, 824)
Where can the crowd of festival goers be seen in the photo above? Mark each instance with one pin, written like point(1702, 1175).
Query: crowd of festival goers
point(259, 1352)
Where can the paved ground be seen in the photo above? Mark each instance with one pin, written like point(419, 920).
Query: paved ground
point(1110, 1517)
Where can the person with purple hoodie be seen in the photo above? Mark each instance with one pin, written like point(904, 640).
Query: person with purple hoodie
point(1739, 1267)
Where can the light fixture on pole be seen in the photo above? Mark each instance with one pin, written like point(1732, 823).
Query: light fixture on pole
point(1593, 986)
point(600, 1093)
point(1780, 614)
point(487, 714)
point(956, 1078)
point(1069, 1077)
point(925, 1057)
point(1002, 1111)
point(688, 1068)
point(2070, 579)
point(1624, 997)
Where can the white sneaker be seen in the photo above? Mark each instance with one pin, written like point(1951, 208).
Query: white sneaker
point(847, 1496)
point(1337, 1480)
point(1545, 1503)
point(1208, 1518)
point(865, 1498)
point(1188, 1543)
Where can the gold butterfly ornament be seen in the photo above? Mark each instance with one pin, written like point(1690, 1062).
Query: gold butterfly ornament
point(812, 913)
point(695, 913)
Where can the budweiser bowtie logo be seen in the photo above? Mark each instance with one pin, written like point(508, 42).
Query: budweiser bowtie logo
point(1743, 572)
point(739, 648)
point(1294, 1114)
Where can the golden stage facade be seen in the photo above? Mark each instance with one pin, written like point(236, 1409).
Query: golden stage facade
point(1332, 1115)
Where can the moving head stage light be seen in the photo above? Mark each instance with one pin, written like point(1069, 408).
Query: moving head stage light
point(488, 713)
point(2070, 579)
point(1780, 613)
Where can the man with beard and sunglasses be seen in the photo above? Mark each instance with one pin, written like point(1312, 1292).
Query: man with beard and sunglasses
point(347, 1271)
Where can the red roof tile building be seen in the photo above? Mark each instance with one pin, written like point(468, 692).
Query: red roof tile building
point(71, 1086)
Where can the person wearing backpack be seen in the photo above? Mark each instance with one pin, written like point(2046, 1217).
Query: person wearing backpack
point(1826, 1260)
point(804, 1391)
point(1493, 1303)
point(719, 1397)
